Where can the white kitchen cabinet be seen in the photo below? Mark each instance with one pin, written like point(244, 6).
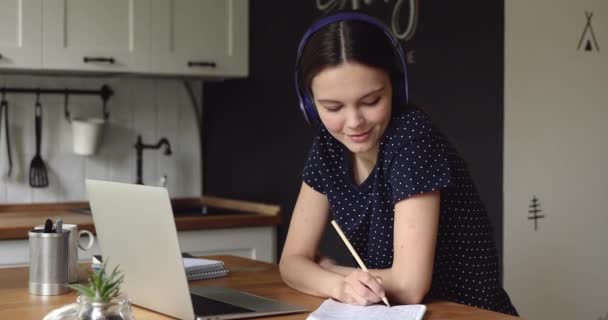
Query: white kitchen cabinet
point(20, 34)
point(194, 37)
point(207, 38)
point(257, 243)
point(91, 35)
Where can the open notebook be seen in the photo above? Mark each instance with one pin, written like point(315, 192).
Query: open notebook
point(333, 310)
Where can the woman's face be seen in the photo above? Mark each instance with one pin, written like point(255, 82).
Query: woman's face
point(354, 104)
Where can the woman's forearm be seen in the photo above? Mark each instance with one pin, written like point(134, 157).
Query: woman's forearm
point(322, 280)
point(342, 270)
point(307, 276)
point(401, 287)
point(395, 284)
point(398, 289)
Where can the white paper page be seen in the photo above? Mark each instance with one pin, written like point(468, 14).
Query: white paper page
point(200, 262)
point(333, 310)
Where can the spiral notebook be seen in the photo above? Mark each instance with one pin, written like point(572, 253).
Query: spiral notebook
point(199, 268)
point(200, 264)
point(333, 310)
point(196, 268)
point(207, 274)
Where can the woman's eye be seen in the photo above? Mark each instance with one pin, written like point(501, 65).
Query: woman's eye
point(333, 108)
point(371, 102)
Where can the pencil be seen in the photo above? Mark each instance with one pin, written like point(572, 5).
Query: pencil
point(353, 252)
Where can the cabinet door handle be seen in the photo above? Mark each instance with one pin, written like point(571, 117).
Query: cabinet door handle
point(210, 64)
point(109, 60)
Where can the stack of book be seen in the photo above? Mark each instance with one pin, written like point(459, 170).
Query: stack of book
point(196, 268)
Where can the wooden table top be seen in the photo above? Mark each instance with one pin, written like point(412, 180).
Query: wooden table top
point(17, 219)
point(251, 276)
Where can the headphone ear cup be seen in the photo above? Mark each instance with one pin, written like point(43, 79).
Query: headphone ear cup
point(310, 112)
point(306, 108)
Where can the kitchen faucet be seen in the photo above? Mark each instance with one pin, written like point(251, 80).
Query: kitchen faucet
point(140, 146)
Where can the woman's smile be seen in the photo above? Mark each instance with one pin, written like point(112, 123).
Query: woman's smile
point(360, 137)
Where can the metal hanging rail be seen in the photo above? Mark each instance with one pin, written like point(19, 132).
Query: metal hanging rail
point(105, 93)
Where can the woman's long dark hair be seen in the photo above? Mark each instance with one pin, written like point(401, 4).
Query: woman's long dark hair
point(351, 41)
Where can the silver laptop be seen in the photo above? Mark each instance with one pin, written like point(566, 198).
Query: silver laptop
point(136, 230)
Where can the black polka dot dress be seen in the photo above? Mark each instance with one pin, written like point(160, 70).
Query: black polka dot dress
point(413, 158)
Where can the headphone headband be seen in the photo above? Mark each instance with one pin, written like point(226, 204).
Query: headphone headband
point(307, 106)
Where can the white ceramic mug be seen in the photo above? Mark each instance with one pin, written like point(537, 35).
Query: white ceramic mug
point(87, 133)
point(74, 244)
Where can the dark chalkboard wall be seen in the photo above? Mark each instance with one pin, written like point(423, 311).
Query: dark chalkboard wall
point(255, 140)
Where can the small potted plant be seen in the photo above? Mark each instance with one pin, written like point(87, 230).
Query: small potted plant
point(101, 298)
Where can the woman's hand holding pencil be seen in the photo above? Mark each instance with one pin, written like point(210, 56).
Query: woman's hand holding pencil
point(360, 287)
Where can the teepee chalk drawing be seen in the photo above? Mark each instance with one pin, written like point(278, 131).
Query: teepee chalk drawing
point(588, 40)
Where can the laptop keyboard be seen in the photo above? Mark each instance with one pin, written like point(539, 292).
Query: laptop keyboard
point(208, 307)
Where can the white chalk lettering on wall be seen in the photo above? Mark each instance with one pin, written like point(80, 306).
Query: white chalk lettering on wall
point(403, 22)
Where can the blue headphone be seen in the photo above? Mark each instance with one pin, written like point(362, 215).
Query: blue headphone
point(306, 104)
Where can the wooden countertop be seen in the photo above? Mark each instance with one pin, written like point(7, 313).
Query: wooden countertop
point(251, 276)
point(17, 219)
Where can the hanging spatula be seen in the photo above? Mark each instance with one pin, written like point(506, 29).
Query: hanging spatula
point(4, 111)
point(38, 172)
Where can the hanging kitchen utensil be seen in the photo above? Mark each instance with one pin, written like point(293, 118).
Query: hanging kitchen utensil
point(66, 111)
point(4, 111)
point(38, 172)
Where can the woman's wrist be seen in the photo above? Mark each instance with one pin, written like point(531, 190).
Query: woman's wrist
point(336, 288)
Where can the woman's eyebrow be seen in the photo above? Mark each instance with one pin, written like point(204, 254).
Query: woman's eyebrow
point(371, 92)
point(360, 98)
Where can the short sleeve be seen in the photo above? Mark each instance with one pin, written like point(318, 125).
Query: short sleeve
point(312, 173)
point(422, 165)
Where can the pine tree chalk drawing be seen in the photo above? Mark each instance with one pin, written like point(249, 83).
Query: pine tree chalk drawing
point(534, 211)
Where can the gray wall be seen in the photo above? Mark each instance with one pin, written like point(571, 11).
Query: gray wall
point(256, 140)
point(555, 158)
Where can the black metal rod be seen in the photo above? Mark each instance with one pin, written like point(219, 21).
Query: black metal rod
point(104, 92)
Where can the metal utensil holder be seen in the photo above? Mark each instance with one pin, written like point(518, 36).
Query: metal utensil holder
point(48, 262)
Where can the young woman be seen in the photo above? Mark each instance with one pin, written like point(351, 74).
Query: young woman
point(392, 182)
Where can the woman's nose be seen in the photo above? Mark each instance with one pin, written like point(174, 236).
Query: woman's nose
point(354, 118)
